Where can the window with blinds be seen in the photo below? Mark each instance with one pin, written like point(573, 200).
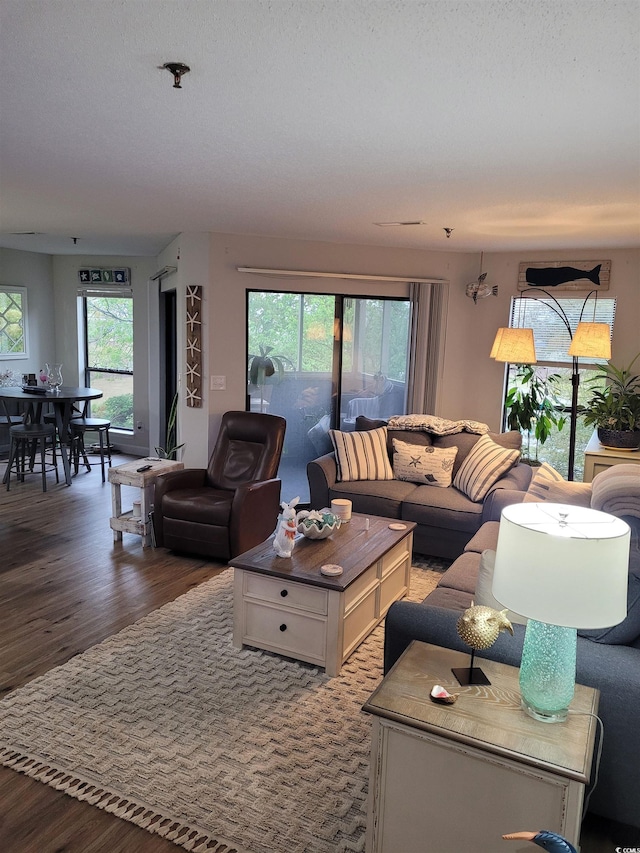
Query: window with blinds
point(549, 319)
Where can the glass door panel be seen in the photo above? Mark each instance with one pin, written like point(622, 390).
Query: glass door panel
point(375, 359)
point(302, 347)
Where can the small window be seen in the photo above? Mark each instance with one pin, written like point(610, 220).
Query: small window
point(13, 322)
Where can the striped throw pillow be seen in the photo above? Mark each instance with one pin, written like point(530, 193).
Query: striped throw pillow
point(548, 485)
point(362, 455)
point(483, 467)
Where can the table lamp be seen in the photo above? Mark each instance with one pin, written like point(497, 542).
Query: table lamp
point(564, 567)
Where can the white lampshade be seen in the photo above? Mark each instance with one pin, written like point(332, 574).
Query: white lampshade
point(591, 340)
point(563, 565)
point(515, 346)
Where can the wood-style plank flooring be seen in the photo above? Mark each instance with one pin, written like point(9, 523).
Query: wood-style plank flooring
point(65, 586)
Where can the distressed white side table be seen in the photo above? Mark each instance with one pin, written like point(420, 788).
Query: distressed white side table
point(457, 777)
point(128, 475)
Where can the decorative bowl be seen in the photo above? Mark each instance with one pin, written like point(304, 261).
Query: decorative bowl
point(317, 525)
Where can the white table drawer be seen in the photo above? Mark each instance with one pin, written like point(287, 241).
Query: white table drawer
point(359, 621)
point(297, 595)
point(282, 630)
point(392, 557)
point(393, 586)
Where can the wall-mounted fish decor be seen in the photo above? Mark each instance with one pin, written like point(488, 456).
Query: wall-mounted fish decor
point(554, 276)
point(479, 289)
point(564, 275)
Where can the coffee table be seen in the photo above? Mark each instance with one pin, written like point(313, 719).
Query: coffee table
point(286, 605)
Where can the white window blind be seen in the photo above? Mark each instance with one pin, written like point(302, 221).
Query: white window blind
point(550, 332)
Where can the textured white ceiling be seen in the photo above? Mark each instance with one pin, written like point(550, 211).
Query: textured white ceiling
point(515, 122)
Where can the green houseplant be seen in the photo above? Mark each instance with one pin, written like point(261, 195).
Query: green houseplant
point(264, 365)
point(614, 409)
point(171, 449)
point(531, 408)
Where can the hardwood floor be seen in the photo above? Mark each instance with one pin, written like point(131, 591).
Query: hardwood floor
point(65, 586)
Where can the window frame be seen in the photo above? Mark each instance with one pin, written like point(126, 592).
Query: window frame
point(24, 320)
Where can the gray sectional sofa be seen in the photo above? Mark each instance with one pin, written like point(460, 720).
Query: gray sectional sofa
point(446, 518)
point(611, 667)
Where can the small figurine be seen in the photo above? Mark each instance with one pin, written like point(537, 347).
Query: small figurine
point(285, 537)
point(479, 626)
point(550, 841)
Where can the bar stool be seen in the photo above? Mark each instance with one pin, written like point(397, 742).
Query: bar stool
point(78, 427)
point(26, 438)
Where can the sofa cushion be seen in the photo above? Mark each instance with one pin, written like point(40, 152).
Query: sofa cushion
point(447, 508)
point(462, 574)
point(375, 497)
point(430, 466)
point(483, 467)
point(451, 599)
point(483, 593)
point(362, 455)
point(549, 485)
point(485, 538)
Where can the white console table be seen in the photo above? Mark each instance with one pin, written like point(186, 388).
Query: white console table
point(598, 458)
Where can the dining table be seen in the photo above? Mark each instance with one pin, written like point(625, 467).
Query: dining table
point(32, 403)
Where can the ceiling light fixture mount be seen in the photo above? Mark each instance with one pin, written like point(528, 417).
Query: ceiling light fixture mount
point(448, 232)
point(177, 69)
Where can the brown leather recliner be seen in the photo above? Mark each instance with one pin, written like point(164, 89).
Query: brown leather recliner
point(231, 506)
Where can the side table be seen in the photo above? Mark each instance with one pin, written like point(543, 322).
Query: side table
point(128, 475)
point(598, 458)
point(458, 777)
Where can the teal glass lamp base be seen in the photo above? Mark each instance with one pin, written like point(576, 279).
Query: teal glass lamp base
point(548, 671)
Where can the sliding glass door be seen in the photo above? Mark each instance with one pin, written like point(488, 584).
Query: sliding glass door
point(319, 361)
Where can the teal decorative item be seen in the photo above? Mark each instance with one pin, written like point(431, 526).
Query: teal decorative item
point(564, 567)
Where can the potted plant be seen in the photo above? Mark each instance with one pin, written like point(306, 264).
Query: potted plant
point(531, 408)
point(171, 450)
point(615, 408)
point(264, 365)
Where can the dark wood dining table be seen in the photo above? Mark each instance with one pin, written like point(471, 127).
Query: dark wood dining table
point(62, 402)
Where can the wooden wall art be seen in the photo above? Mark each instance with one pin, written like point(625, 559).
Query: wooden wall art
point(565, 275)
point(194, 346)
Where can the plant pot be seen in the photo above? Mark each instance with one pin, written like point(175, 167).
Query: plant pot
point(619, 439)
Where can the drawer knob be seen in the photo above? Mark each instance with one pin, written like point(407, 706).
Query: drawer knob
point(283, 627)
point(284, 593)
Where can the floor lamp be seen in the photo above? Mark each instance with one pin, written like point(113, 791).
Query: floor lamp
point(589, 340)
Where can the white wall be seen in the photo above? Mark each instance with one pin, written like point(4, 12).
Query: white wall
point(34, 271)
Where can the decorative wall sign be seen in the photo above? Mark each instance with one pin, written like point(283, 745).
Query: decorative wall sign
point(121, 275)
point(565, 275)
point(194, 346)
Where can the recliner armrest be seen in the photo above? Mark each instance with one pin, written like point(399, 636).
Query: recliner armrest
point(254, 514)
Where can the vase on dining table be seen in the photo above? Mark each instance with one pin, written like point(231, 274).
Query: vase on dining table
point(54, 376)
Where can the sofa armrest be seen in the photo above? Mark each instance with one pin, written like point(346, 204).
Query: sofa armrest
point(497, 500)
point(254, 514)
point(322, 474)
point(188, 478)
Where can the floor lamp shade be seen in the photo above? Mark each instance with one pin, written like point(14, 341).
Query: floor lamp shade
point(591, 340)
point(515, 346)
point(564, 567)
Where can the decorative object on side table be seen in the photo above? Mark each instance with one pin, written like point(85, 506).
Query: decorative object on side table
point(285, 538)
point(317, 524)
point(479, 627)
point(615, 408)
point(550, 841)
point(564, 567)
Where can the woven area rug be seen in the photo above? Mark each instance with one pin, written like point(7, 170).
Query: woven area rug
point(168, 726)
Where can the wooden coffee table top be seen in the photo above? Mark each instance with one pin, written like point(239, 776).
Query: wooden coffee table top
point(352, 547)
